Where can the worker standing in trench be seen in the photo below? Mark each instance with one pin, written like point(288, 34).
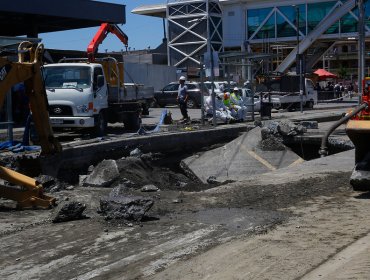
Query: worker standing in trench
point(182, 98)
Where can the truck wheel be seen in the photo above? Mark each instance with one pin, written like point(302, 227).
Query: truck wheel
point(132, 122)
point(145, 108)
point(100, 125)
point(309, 105)
point(191, 104)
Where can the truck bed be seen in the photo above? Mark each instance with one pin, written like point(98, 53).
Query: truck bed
point(130, 92)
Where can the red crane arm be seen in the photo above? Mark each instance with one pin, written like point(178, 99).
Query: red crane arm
point(99, 37)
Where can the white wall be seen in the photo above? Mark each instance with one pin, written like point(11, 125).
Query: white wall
point(234, 25)
point(153, 75)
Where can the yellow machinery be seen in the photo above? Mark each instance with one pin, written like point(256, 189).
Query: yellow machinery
point(27, 69)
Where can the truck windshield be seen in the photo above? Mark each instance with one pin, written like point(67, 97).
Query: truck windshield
point(78, 77)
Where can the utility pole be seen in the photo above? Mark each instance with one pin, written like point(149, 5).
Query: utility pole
point(202, 86)
point(361, 47)
point(299, 64)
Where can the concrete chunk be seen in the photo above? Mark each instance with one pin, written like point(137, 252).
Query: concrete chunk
point(103, 175)
point(240, 159)
point(70, 211)
point(118, 206)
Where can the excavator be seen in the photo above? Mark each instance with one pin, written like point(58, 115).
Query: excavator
point(26, 191)
point(358, 130)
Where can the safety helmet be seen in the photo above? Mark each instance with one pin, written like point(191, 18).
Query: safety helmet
point(182, 78)
point(236, 89)
point(227, 95)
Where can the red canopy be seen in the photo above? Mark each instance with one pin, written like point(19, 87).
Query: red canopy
point(323, 74)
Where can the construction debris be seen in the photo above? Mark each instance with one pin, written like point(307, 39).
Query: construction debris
point(70, 211)
point(126, 207)
point(103, 175)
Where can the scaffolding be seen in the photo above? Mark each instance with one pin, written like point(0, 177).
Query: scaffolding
point(194, 27)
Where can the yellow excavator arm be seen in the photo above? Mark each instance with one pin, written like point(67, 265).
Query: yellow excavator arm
point(28, 70)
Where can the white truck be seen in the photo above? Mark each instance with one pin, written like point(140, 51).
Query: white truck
point(89, 95)
point(285, 94)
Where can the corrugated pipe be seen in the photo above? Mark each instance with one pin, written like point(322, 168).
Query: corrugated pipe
point(324, 141)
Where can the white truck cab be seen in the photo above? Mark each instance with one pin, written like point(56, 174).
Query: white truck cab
point(77, 94)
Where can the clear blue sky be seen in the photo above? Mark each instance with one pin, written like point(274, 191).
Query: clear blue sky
point(142, 31)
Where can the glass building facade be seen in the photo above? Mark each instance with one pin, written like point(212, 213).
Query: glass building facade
point(279, 22)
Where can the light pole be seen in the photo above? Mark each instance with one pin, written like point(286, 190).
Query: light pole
point(299, 64)
point(361, 48)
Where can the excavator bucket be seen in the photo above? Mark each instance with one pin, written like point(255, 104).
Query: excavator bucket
point(27, 192)
point(359, 133)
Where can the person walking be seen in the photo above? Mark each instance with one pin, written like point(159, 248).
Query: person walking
point(182, 98)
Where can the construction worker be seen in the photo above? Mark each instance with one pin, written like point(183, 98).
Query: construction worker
point(182, 98)
point(222, 113)
point(237, 104)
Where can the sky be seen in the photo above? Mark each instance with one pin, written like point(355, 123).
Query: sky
point(142, 31)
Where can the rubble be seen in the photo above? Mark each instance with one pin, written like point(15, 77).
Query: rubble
point(149, 188)
point(70, 211)
point(310, 124)
point(126, 207)
point(51, 184)
point(136, 153)
point(283, 128)
point(103, 175)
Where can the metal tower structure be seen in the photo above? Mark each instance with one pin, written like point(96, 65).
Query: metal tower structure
point(194, 27)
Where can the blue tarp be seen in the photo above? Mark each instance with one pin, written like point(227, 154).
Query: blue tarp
point(142, 131)
point(17, 146)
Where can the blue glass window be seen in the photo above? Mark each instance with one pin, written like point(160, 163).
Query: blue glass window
point(316, 12)
point(255, 19)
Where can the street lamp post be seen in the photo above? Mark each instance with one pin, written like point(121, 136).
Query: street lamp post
point(361, 47)
point(299, 63)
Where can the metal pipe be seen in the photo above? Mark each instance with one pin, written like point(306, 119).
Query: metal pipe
point(323, 152)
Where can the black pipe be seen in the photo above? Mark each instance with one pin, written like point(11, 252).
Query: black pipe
point(324, 141)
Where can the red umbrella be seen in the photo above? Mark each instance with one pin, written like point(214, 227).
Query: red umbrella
point(323, 74)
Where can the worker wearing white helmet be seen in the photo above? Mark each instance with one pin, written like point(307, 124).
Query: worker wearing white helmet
point(222, 112)
point(182, 98)
point(237, 104)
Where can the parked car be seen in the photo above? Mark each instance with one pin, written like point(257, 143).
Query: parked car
point(168, 95)
point(208, 84)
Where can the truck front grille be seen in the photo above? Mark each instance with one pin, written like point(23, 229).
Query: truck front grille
point(60, 110)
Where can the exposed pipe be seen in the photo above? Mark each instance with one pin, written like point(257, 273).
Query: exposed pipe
point(324, 141)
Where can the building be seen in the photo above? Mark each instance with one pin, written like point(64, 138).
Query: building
point(327, 32)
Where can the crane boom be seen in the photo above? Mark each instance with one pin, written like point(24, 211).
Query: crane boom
point(99, 37)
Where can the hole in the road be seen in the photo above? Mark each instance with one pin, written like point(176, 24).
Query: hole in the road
point(310, 150)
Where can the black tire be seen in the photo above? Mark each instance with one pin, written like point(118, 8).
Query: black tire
point(145, 108)
point(309, 105)
point(360, 188)
point(191, 104)
point(132, 122)
point(100, 127)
